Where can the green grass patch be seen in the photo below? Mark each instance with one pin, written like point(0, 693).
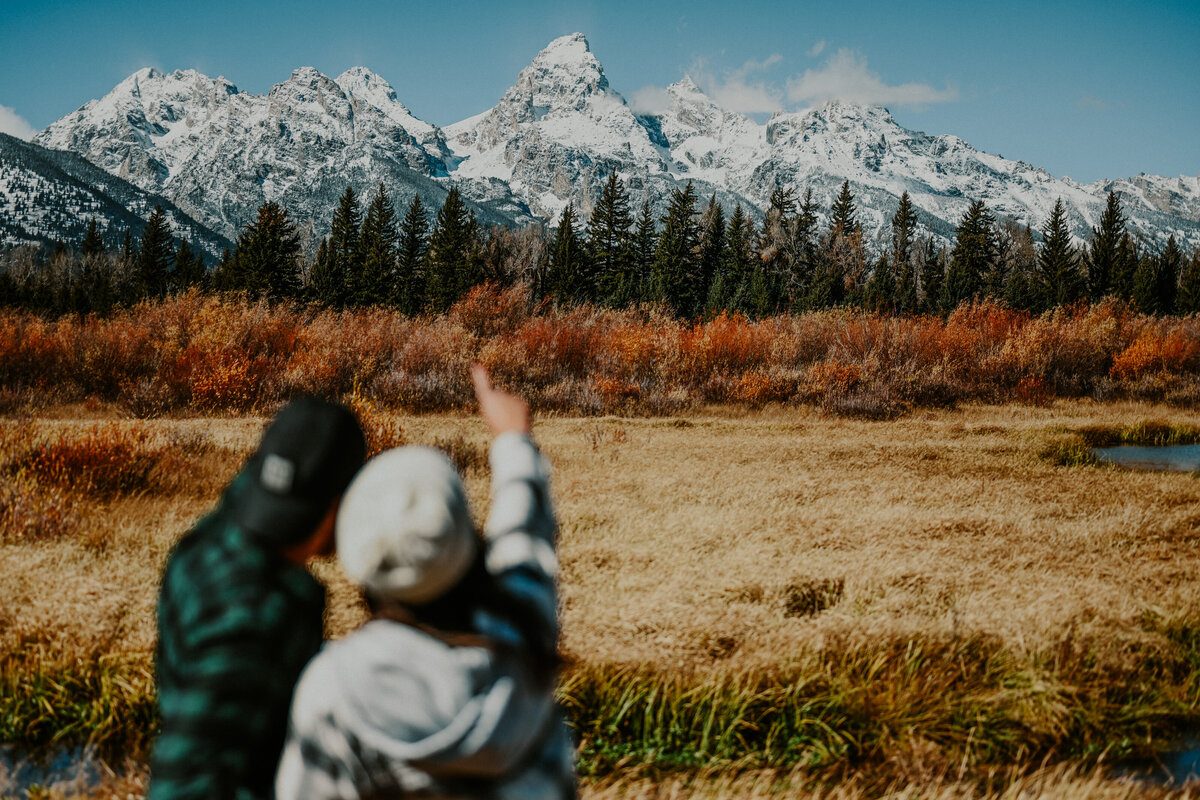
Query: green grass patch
point(1151, 433)
point(970, 701)
point(107, 703)
point(1075, 448)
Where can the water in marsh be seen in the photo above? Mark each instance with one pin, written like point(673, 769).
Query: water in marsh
point(1174, 767)
point(1172, 458)
point(73, 769)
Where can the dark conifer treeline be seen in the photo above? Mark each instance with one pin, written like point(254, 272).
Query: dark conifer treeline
point(696, 259)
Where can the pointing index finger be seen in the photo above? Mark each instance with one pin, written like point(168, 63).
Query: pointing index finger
point(479, 377)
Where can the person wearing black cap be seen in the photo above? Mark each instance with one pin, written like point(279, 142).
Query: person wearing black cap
point(239, 615)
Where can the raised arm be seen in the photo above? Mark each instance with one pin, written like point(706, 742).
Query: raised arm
point(521, 528)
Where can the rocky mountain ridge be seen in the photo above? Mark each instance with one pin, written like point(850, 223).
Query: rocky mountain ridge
point(551, 139)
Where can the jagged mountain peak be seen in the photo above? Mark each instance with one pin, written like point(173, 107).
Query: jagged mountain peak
point(310, 77)
point(364, 79)
point(563, 71)
point(686, 87)
point(552, 138)
point(567, 50)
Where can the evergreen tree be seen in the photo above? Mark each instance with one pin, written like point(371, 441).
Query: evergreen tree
point(95, 289)
point(129, 251)
point(676, 271)
point(1059, 279)
point(783, 201)
point(266, 259)
point(904, 229)
point(1103, 259)
point(339, 283)
point(1188, 301)
point(771, 262)
point(1145, 285)
point(881, 288)
point(325, 285)
point(644, 246)
point(378, 240)
point(155, 256)
point(1166, 284)
point(1125, 266)
point(736, 270)
point(565, 276)
point(189, 268)
point(410, 264)
point(451, 248)
point(843, 213)
point(932, 274)
point(1020, 289)
point(93, 242)
point(972, 257)
point(608, 242)
point(712, 255)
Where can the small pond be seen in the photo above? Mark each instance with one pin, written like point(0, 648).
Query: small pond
point(73, 769)
point(1174, 767)
point(1172, 458)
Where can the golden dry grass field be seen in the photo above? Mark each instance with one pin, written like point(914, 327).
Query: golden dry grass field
point(901, 607)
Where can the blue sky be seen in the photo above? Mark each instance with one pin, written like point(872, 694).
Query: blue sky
point(1090, 90)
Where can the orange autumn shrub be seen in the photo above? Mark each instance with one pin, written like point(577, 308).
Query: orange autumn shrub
point(615, 391)
point(222, 354)
point(227, 379)
point(727, 343)
point(755, 387)
point(30, 510)
point(489, 310)
point(633, 349)
point(102, 460)
point(1157, 351)
point(833, 378)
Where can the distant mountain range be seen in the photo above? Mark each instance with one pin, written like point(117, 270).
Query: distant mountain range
point(217, 153)
point(51, 195)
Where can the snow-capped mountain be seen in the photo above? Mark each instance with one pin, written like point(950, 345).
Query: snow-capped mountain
point(220, 153)
point(551, 139)
point(50, 195)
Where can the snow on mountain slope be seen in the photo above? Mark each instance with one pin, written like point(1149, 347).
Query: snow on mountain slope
point(705, 141)
point(50, 195)
point(552, 139)
point(556, 133)
point(220, 153)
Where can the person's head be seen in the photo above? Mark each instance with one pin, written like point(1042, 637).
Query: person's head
point(404, 531)
point(306, 459)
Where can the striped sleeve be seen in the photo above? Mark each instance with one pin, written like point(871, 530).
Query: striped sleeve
point(521, 529)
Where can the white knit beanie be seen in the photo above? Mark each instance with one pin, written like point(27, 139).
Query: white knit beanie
point(404, 531)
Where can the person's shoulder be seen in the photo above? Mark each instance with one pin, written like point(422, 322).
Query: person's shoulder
point(214, 551)
point(399, 672)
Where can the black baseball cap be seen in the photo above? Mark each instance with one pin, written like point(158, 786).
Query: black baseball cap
point(306, 459)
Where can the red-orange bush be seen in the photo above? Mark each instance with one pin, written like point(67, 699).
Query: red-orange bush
point(755, 388)
point(489, 310)
point(830, 378)
point(726, 343)
point(102, 460)
point(232, 355)
point(227, 379)
point(1156, 351)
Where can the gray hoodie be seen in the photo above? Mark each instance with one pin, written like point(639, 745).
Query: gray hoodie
point(393, 711)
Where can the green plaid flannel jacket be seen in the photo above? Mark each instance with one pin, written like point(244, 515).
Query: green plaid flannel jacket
point(236, 624)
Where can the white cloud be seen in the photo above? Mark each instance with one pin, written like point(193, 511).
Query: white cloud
point(736, 91)
point(14, 124)
point(649, 100)
point(845, 77)
point(816, 49)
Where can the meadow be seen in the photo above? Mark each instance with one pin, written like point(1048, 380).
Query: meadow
point(908, 581)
